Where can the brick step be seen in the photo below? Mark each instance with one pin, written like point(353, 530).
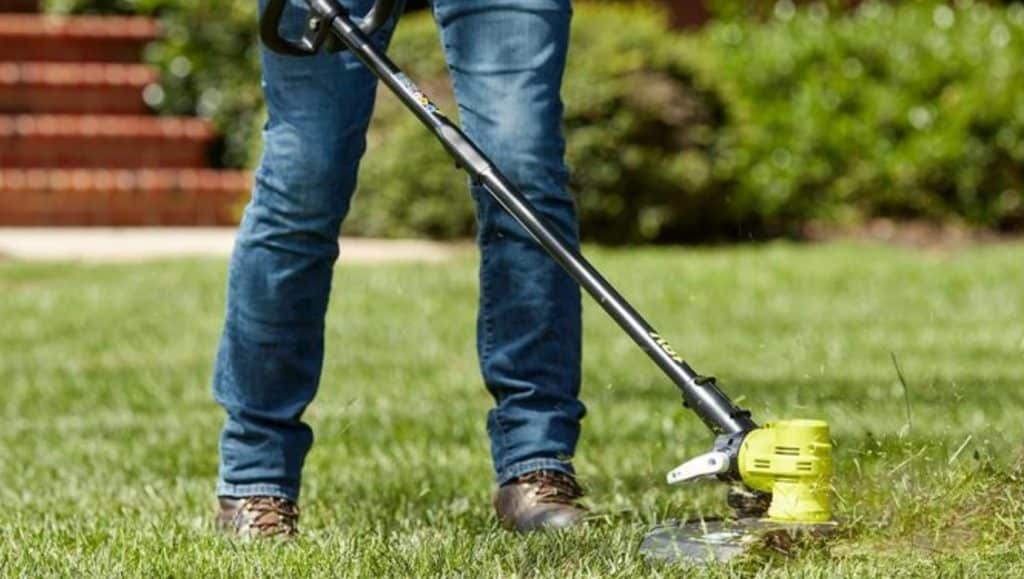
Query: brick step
point(55, 87)
point(103, 141)
point(40, 37)
point(121, 197)
point(19, 5)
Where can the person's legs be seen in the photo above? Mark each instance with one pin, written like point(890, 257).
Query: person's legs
point(268, 366)
point(507, 58)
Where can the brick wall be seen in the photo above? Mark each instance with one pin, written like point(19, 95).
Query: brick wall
point(78, 146)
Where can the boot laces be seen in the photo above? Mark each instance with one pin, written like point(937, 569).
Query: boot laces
point(271, 515)
point(553, 486)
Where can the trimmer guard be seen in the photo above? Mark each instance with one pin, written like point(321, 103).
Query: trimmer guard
point(704, 541)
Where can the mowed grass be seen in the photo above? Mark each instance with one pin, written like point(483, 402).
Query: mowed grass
point(108, 434)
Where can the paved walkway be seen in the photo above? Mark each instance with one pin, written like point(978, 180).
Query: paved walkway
point(102, 244)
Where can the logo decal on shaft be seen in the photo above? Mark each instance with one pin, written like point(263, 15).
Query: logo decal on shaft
point(417, 94)
point(666, 347)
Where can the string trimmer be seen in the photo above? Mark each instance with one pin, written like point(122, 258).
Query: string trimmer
point(783, 469)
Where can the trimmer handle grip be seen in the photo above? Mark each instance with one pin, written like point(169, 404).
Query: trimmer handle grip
point(317, 30)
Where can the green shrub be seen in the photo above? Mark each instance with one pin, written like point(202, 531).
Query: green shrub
point(754, 129)
point(909, 111)
point(747, 128)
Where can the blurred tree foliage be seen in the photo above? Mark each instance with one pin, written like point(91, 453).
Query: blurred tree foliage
point(751, 127)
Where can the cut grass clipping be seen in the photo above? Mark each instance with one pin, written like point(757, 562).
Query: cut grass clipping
point(108, 434)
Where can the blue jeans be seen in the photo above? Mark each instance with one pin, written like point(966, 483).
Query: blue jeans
point(506, 58)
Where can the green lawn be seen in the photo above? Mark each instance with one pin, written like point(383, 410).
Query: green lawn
point(108, 432)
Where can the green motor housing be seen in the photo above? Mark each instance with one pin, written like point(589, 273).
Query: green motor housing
point(792, 460)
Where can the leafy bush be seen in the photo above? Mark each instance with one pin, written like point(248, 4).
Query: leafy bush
point(747, 128)
point(908, 111)
point(753, 129)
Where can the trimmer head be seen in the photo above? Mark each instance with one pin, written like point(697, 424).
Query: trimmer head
point(786, 467)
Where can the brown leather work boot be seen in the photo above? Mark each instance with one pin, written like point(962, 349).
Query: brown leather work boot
point(258, 517)
point(543, 499)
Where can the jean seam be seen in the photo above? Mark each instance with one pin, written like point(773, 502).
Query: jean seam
point(488, 324)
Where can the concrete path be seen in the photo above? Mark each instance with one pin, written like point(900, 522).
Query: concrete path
point(102, 244)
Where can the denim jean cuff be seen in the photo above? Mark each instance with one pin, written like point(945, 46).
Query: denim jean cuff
point(257, 490)
point(520, 468)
